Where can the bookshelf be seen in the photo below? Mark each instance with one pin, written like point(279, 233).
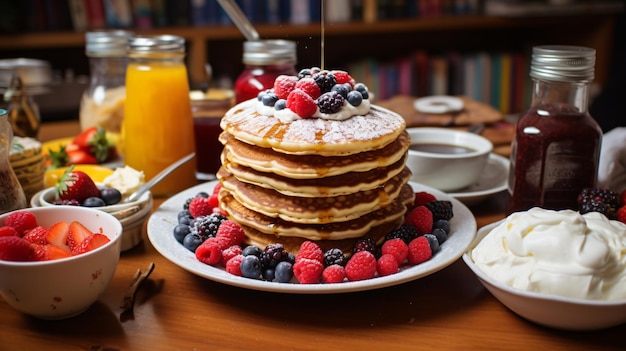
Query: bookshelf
point(221, 45)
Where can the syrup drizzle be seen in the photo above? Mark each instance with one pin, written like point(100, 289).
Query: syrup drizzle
point(322, 36)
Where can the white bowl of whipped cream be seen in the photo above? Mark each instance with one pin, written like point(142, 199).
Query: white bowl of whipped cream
point(558, 269)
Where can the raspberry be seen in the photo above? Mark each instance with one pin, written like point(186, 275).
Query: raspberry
point(343, 77)
point(301, 103)
point(419, 251)
point(387, 264)
point(209, 252)
point(309, 86)
point(362, 266)
point(283, 85)
point(229, 233)
point(310, 250)
point(422, 198)
point(230, 252)
point(397, 248)
point(37, 235)
point(14, 248)
point(8, 231)
point(621, 214)
point(216, 189)
point(441, 209)
point(200, 206)
point(330, 102)
point(308, 271)
point(421, 218)
point(21, 221)
point(233, 266)
point(333, 274)
point(213, 202)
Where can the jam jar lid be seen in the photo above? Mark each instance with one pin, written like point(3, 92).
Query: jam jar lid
point(107, 43)
point(563, 63)
point(269, 52)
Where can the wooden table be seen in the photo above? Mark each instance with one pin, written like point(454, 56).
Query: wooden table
point(176, 310)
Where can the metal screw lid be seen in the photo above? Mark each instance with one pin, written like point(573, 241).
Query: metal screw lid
point(157, 44)
point(563, 63)
point(269, 52)
point(107, 43)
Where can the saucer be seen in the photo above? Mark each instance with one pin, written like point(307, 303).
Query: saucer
point(492, 181)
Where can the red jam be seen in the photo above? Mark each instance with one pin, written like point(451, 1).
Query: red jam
point(255, 79)
point(555, 155)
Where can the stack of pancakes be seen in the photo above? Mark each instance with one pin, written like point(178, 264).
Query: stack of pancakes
point(332, 182)
point(27, 161)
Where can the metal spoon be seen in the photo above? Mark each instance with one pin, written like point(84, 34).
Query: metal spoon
point(137, 194)
point(239, 18)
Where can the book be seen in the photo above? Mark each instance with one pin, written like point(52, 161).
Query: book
point(159, 18)
point(505, 83)
point(95, 14)
point(118, 13)
point(78, 14)
point(142, 14)
point(337, 11)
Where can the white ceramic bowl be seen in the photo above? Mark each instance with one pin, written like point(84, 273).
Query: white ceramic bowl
point(47, 196)
point(63, 288)
point(549, 310)
point(447, 171)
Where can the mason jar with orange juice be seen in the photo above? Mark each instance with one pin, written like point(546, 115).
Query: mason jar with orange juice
point(157, 129)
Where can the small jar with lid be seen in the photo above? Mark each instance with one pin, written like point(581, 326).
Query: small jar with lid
point(556, 148)
point(102, 104)
point(264, 60)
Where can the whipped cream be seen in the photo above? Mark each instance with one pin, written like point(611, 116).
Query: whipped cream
point(125, 179)
point(557, 252)
point(286, 115)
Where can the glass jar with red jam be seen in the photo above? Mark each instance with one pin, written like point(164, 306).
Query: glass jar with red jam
point(556, 148)
point(264, 61)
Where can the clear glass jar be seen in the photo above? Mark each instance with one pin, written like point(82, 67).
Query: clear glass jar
point(12, 195)
point(556, 148)
point(264, 60)
point(102, 104)
point(157, 129)
point(22, 110)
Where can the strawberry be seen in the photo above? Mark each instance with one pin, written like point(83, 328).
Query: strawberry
point(301, 103)
point(421, 218)
point(48, 252)
point(57, 235)
point(14, 248)
point(91, 242)
point(8, 231)
point(76, 156)
point(283, 85)
point(621, 214)
point(21, 221)
point(37, 235)
point(77, 233)
point(76, 185)
point(94, 142)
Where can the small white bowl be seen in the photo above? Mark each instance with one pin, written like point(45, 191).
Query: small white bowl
point(66, 287)
point(443, 170)
point(47, 197)
point(549, 310)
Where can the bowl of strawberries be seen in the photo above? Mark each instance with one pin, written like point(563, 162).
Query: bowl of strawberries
point(55, 262)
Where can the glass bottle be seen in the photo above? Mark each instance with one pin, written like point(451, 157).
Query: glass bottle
point(264, 60)
point(102, 103)
point(157, 129)
point(22, 110)
point(12, 195)
point(556, 147)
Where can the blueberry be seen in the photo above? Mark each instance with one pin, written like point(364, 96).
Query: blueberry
point(94, 202)
point(433, 242)
point(252, 250)
point(443, 224)
point(180, 231)
point(354, 98)
point(280, 104)
point(203, 194)
point(251, 267)
point(283, 272)
point(269, 274)
point(192, 241)
point(269, 99)
point(184, 217)
point(362, 88)
point(440, 234)
point(110, 196)
point(342, 89)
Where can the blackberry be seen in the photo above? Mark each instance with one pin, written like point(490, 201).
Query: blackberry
point(593, 205)
point(324, 80)
point(307, 72)
point(272, 255)
point(605, 196)
point(334, 256)
point(330, 102)
point(206, 226)
point(365, 244)
point(441, 209)
point(67, 202)
point(406, 232)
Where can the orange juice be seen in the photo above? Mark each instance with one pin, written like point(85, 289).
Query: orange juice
point(158, 126)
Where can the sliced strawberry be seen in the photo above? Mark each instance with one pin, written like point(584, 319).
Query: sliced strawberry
point(14, 248)
point(77, 233)
point(57, 235)
point(37, 235)
point(92, 242)
point(76, 185)
point(49, 252)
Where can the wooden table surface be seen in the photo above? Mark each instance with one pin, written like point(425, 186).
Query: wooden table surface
point(177, 310)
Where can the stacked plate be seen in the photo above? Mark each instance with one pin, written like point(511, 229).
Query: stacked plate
point(27, 161)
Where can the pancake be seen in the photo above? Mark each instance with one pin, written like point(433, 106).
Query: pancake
point(311, 166)
point(313, 136)
point(343, 184)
